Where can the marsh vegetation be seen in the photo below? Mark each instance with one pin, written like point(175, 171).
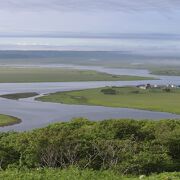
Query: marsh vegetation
point(6, 120)
point(124, 97)
point(27, 74)
point(17, 96)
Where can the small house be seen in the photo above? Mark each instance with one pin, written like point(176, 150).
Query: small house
point(142, 86)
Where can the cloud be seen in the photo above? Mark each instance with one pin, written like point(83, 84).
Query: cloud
point(90, 5)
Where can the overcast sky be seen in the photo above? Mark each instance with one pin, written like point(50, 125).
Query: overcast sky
point(94, 16)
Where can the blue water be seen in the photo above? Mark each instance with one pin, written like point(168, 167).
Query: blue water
point(36, 114)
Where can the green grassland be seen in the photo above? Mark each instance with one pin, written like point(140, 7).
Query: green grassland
point(125, 97)
point(25, 75)
point(8, 120)
point(166, 71)
point(76, 174)
point(19, 95)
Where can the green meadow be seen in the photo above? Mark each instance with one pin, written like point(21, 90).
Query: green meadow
point(124, 97)
point(25, 75)
point(166, 71)
point(8, 120)
point(76, 174)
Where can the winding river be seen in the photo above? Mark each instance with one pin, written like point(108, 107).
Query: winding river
point(36, 114)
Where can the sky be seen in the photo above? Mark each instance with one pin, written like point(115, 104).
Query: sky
point(89, 16)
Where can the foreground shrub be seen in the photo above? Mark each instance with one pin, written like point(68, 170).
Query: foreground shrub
point(124, 146)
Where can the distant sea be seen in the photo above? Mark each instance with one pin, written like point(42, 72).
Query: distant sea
point(133, 45)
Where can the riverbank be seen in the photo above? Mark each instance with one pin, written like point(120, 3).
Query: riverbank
point(124, 97)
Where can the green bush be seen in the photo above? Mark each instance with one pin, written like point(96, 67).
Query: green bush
point(124, 146)
point(110, 91)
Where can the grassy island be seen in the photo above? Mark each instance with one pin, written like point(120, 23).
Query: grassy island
point(166, 72)
point(17, 96)
point(6, 120)
point(125, 97)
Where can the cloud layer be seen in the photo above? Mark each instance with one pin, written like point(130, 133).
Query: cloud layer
point(90, 5)
point(95, 16)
